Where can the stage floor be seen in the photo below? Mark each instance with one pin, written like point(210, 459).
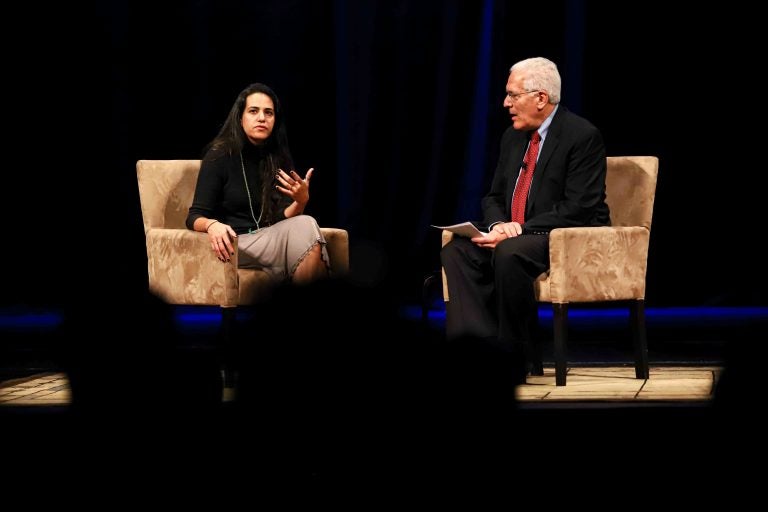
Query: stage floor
point(610, 384)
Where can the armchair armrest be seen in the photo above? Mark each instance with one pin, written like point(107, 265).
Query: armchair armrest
point(184, 270)
point(447, 237)
point(589, 264)
point(338, 249)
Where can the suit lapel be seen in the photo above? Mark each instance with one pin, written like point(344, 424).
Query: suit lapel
point(550, 145)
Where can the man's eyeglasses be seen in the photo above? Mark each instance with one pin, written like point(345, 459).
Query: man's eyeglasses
point(513, 97)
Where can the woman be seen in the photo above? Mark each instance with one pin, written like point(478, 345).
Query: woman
point(244, 192)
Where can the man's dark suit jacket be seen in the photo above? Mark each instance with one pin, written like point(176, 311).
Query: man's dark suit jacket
point(568, 187)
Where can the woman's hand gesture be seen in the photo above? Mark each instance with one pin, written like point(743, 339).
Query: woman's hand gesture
point(294, 186)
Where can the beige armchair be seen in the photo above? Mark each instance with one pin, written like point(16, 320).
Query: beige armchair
point(182, 267)
point(601, 264)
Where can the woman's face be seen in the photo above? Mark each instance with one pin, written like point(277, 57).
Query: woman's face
point(258, 117)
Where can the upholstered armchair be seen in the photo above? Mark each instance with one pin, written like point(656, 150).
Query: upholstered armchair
point(182, 267)
point(602, 264)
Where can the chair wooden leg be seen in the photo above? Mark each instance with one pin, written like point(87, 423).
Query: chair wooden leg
point(637, 324)
point(534, 350)
point(228, 344)
point(560, 326)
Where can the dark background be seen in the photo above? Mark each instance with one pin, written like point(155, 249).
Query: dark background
point(397, 106)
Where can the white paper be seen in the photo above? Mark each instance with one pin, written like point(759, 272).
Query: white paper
point(466, 229)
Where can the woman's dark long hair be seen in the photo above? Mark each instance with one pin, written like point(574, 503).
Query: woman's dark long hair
point(232, 139)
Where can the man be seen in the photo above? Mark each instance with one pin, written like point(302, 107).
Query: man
point(550, 174)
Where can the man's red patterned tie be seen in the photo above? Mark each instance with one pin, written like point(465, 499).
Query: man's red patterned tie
point(520, 197)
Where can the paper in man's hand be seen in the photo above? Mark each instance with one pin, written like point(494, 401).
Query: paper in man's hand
point(466, 229)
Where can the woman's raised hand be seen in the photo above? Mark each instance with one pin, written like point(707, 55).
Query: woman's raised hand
point(294, 186)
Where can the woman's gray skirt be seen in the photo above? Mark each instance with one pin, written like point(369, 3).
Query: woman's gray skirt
point(278, 249)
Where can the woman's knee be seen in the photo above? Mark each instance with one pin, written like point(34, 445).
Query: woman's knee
point(302, 220)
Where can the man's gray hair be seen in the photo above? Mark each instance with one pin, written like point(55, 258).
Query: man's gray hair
point(540, 74)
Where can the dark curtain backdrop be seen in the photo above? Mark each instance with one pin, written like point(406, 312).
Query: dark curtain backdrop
point(397, 106)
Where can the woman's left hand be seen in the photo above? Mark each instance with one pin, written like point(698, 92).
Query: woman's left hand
point(294, 186)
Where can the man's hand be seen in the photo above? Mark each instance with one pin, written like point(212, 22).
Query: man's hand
point(498, 233)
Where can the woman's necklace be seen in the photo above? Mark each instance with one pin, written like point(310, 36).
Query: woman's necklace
point(248, 190)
